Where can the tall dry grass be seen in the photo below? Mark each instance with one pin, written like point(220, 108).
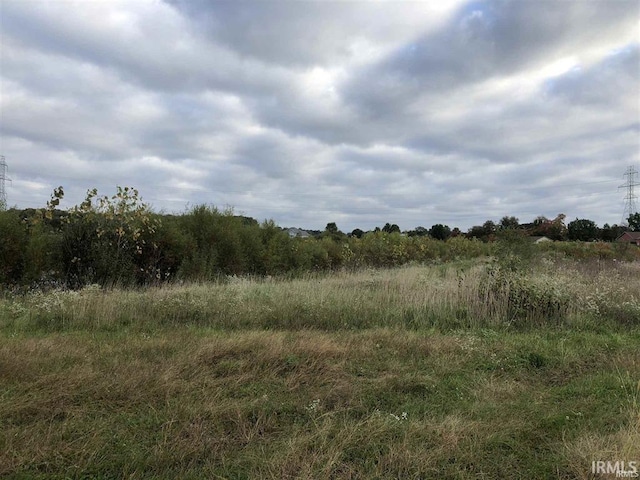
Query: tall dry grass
point(449, 296)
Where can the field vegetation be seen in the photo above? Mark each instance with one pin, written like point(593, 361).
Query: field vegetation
point(523, 364)
point(120, 241)
point(206, 345)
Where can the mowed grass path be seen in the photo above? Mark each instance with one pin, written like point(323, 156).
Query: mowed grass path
point(83, 396)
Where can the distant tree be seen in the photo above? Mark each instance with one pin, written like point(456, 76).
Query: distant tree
point(507, 222)
point(440, 232)
point(456, 232)
point(485, 232)
point(418, 232)
point(553, 229)
point(539, 226)
point(357, 233)
point(248, 221)
point(540, 220)
point(634, 222)
point(583, 230)
point(490, 227)
point(331, 231)
point(610, 233)
point(331, 228)
point(477, 231)
point(388, 228)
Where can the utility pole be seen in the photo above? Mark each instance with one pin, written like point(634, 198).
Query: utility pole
point(630, 206)
point(3, 178)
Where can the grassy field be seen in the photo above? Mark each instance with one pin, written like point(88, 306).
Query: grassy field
point(462, 370)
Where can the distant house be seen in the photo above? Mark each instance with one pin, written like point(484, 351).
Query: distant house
point(297, 233)
point(538, 240)
point(629, 237)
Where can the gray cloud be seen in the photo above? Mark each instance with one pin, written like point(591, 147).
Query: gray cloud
point(610, 82)
point(310, 112)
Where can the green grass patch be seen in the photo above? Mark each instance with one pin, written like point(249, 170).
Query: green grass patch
point(373, 404)
point(374, 374)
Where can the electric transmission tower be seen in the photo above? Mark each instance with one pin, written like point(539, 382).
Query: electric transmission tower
point(3, 178)
point(630, 206)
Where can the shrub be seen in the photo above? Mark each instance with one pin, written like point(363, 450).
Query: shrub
point(106, 240)
point(13, 241)
point(43, 260)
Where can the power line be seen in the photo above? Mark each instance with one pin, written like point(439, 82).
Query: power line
point(3, 178)
point(630, 206)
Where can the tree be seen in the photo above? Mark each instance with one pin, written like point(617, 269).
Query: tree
point(331, 231)
point(553, 229)
point(421, 231)
point(388, 228)
point(507, 223)
point(634, 222)
point(610, 233)
point(357, 233)
point(538, 227)
point(477, 232)
point(489, 227)
point(583, 230)
point(540, 220)
point(331, 228)
point(418, 232)
point(440, 232)
point(486, 232)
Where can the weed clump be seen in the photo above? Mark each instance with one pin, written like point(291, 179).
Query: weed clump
point(523, 293)
point(526, 300)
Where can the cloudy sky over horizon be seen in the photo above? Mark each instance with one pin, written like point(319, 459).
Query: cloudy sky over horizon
point(354, 112)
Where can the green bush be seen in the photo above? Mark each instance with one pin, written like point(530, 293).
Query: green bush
point(43, 260)
point(13, 242)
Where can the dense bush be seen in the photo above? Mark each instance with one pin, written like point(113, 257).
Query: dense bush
point(12, 247)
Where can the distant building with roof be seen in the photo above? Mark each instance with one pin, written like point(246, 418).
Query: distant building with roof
point(297, 233)
point(540, 239)
point(629, 237)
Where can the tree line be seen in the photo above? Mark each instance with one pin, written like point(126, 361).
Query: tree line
point(584, 230)
point(119, 240)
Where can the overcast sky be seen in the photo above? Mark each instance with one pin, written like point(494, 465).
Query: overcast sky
point(359, 113)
